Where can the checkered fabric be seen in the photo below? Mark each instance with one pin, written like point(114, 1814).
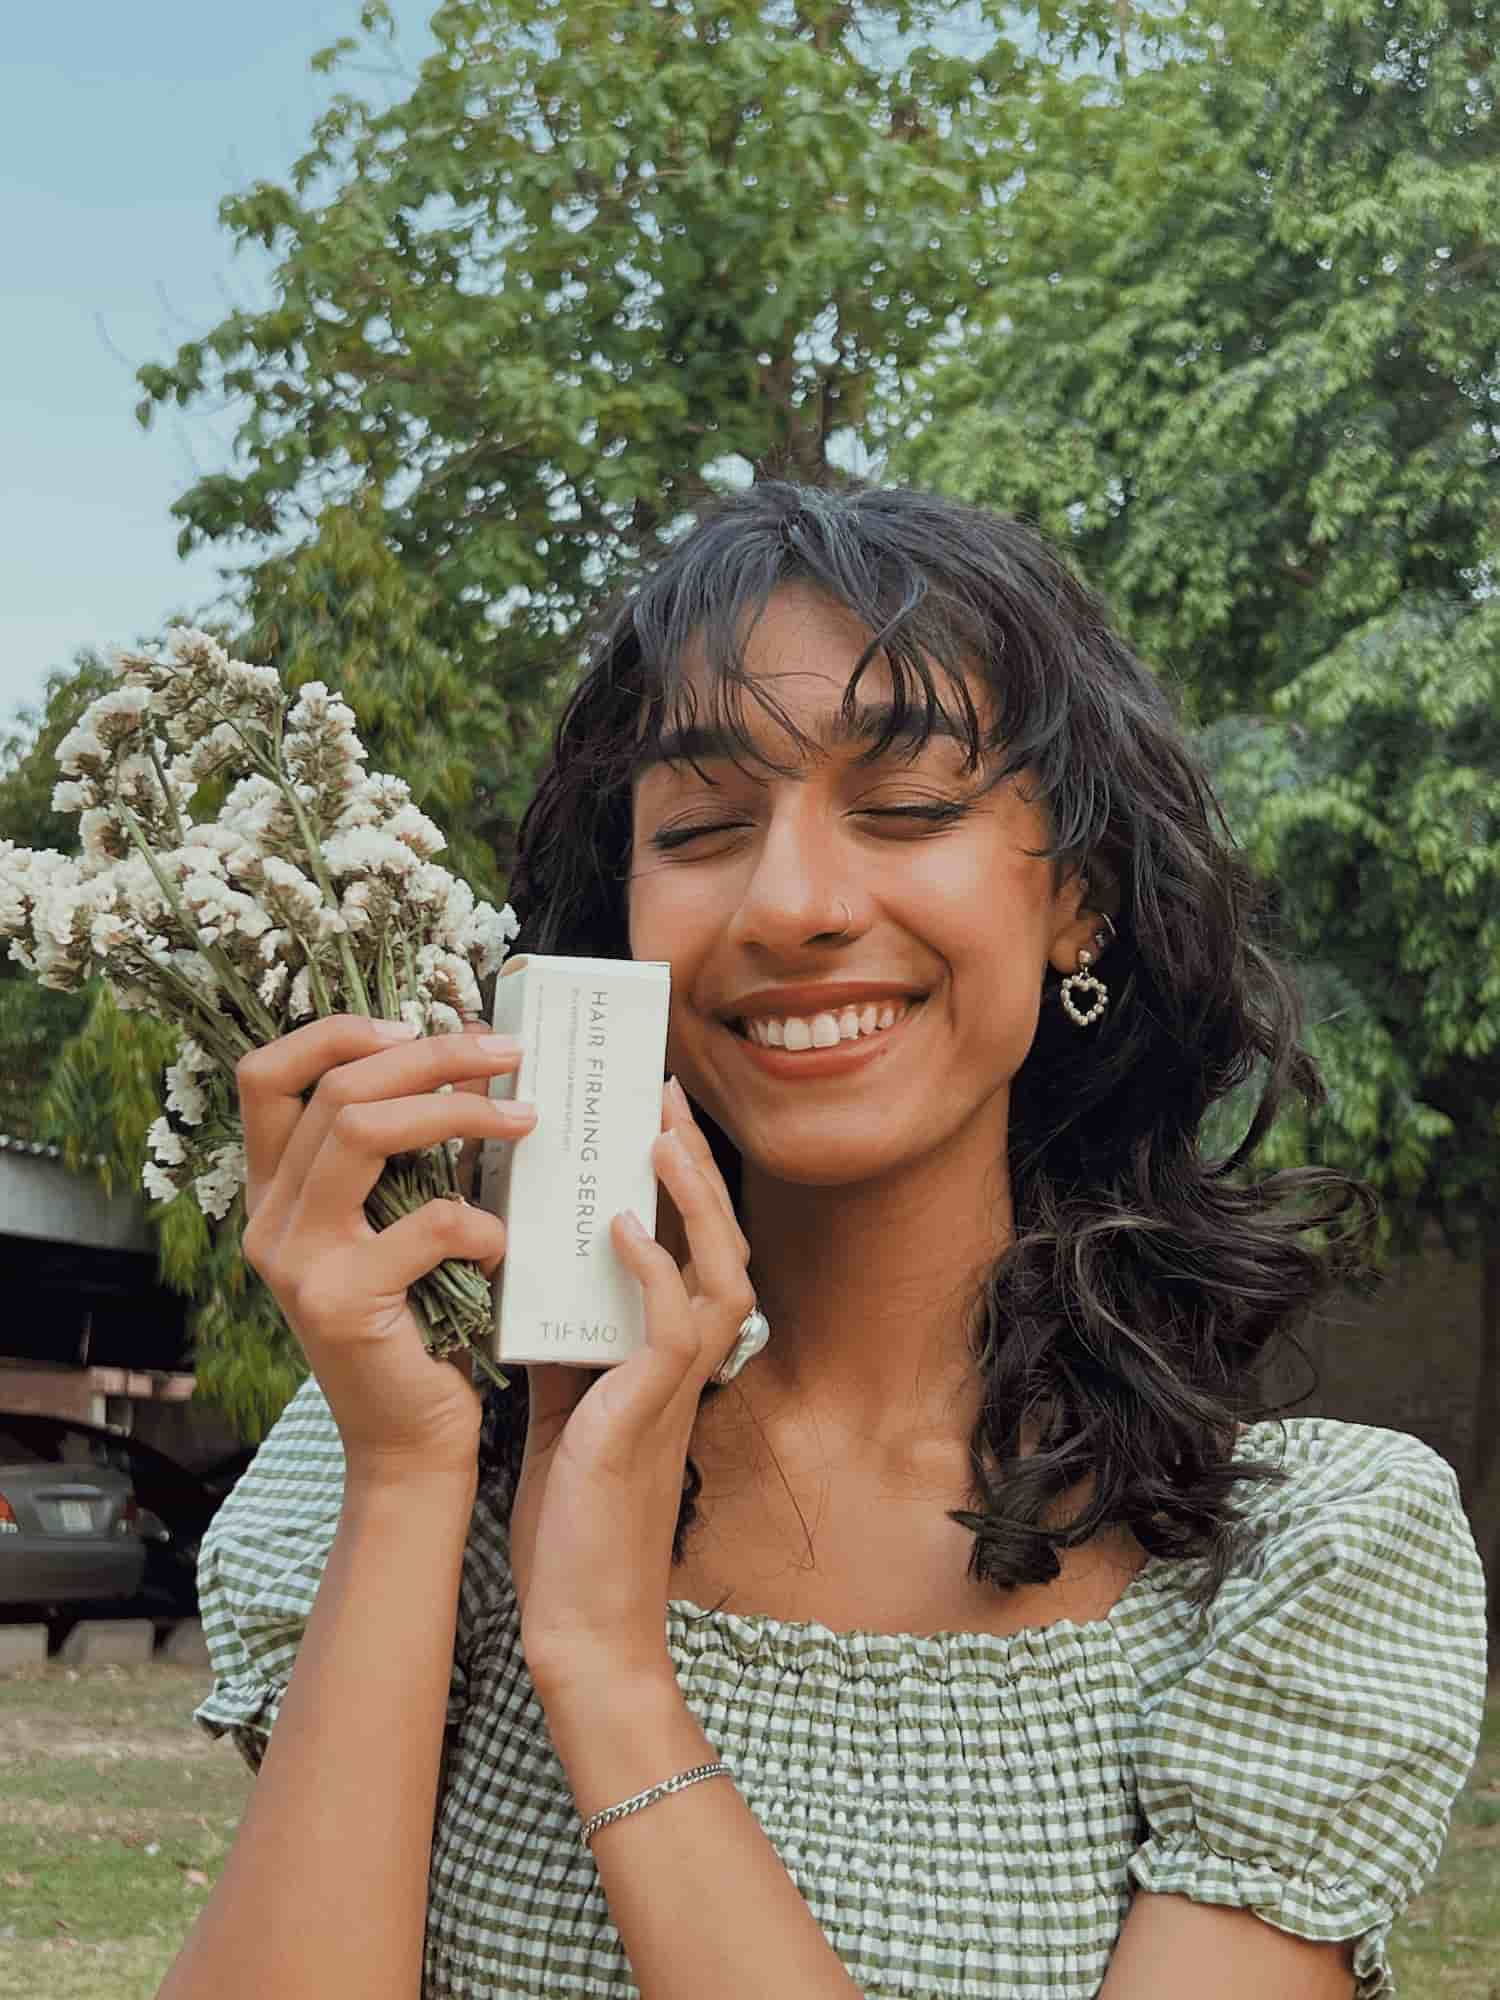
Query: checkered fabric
point(966, 1815)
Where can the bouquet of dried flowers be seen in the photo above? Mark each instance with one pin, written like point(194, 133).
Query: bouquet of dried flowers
point(313, 890)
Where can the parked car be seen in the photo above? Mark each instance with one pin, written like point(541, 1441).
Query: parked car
point(95, 1524)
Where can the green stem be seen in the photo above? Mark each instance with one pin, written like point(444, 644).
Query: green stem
point(385, 981)
point(270, 765)
point(322, 998)
point(201, 1025)
point(325, 883)
point(244, 996)
point(166, 792)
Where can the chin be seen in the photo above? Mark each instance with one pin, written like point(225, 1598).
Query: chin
point(830, 1163)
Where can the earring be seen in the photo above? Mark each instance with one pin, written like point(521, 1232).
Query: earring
point(1083, 981)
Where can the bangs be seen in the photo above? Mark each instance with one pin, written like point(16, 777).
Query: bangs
point(938, 612)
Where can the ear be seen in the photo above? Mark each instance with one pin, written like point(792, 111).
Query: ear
point(1087, 896)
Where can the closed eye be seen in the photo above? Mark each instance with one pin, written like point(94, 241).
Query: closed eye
point(937, 812)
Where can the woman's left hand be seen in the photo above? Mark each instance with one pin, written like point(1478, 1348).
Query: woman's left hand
point(601, 1480)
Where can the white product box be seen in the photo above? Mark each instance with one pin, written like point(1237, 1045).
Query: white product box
point(593, 1035)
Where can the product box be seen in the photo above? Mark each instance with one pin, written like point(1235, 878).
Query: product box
point(593, 1034)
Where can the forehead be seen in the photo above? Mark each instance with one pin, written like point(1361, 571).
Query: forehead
point(794, 664)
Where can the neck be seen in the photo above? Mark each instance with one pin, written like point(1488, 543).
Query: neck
point(869, 1290)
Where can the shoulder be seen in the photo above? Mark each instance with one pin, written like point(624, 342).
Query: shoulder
point(1363, 1517)
point(1359, 1512)
point(1302, 1741)
point(1328, 1459)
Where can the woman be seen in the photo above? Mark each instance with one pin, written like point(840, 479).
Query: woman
point(997, 1653)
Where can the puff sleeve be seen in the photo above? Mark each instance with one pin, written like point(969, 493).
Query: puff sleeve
point(1307, 1764)
point(260, 1565)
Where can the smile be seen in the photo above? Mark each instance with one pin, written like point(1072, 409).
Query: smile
point(828, 1049)
point(825, 1031)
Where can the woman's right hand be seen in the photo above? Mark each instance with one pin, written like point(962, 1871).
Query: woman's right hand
point(311, 1163)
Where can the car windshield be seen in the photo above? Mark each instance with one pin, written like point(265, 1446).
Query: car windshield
point(59, 1446)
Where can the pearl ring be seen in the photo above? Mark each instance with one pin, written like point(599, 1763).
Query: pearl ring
point(755, 1331)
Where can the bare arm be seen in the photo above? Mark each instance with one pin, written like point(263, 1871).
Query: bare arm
point(325, 1888)
point(700, 1897)
point(1172, 1948)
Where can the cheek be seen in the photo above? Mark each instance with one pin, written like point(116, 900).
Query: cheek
point(671, 914)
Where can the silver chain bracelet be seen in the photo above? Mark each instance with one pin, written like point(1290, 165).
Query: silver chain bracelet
point(610, 1813)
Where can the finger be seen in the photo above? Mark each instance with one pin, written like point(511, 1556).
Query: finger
point(408, 1249)
point(271, 1081)
point(467, 1173)
point(713, 1238)
point(363, 1137)
point(675, 1355)
point(678, 1118)
point(422, 1066)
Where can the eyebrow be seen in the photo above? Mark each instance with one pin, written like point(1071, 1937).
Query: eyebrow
point(868, 722)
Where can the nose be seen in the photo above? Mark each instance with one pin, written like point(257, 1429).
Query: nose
point(801, 889)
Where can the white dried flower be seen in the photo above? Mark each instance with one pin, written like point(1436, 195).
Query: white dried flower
point(417, 831)
point(362, 850)
point(166, 1144)
point(185, 1095)
point(218, 1187)
point(194, 1060)
point(81, 752)
point(314, 885)
point(273, 985)
point(160, 1186)
point(485, 937)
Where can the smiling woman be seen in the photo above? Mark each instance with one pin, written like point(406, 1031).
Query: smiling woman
point(1045, 1662)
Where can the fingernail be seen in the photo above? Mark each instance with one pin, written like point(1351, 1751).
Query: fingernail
point(633, 1223)
point(679, 1096)
point(396, 1031)
point(498, 1045)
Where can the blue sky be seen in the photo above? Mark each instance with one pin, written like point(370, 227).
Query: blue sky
point(121, 130)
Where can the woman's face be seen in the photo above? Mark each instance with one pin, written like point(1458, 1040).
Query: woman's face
point(841, 878)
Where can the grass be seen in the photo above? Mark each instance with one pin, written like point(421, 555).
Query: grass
point(116, 1813)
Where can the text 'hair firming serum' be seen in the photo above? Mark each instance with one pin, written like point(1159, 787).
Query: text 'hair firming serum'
point(593, 1034)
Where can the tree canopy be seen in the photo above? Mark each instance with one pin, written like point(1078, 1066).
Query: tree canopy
point(1243, 366)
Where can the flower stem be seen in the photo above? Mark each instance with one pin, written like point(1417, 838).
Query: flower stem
point(246, 999)
point(325, 882)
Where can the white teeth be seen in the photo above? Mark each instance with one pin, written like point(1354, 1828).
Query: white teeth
point(826, 1030)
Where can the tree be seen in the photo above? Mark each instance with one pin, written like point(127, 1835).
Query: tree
point(1246, 371)
point(35, 1024)
point(523, 317)
point(524, 314)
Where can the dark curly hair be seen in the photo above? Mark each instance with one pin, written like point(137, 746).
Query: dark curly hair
point(1128, 1317)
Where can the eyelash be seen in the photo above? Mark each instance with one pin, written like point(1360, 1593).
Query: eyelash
point(941, 812)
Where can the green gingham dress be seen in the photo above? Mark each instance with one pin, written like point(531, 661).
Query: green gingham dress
point(965, 1814)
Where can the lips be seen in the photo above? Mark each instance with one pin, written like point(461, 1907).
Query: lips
point(834, 1060)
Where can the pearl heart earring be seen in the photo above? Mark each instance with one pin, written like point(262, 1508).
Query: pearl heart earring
point(1083, 981)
